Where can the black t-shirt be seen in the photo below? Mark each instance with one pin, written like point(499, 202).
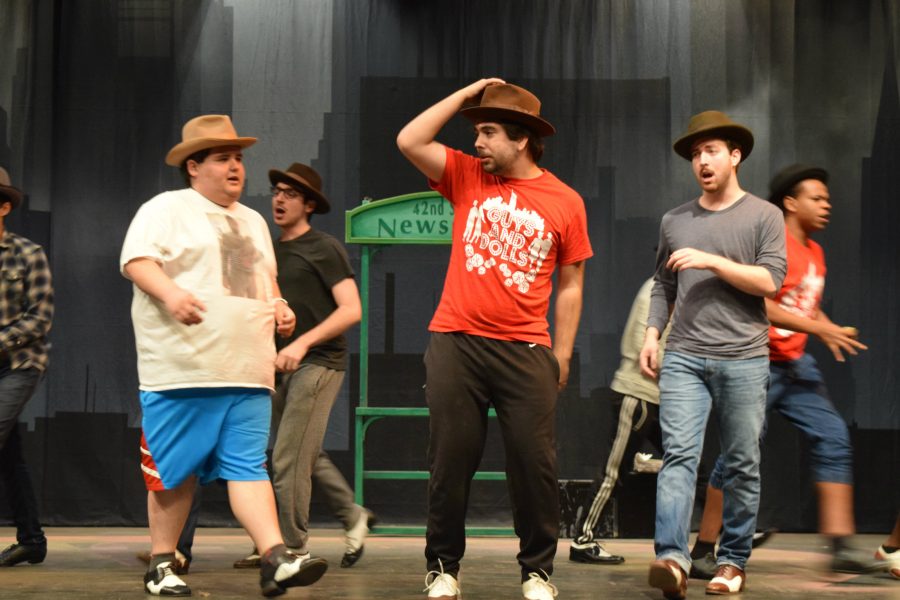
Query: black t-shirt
point(308, 267)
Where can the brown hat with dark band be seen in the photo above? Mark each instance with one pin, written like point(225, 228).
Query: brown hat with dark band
point(305, 179)
point(7, 191)
point(507, 102)
point(713, 124)
point(206, 131)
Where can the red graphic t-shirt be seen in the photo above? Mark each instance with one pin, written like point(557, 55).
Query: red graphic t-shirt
point(800, 294)
point(508, 236)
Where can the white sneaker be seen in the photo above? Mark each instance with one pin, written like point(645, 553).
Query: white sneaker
point(891, 558)
point(442, 585)
point(539, 588)
point(645, 463)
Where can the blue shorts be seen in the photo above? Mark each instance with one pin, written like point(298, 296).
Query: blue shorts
point(213, 433)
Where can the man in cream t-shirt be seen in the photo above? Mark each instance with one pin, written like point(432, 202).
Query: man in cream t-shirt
point(204, 311)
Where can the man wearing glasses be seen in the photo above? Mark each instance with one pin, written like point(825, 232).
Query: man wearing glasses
point(315, 277)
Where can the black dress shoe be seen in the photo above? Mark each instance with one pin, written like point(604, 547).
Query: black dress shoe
point(357, 535)
point(350, 558)
point(593, 553)
point(32, 553)
point(761, 537)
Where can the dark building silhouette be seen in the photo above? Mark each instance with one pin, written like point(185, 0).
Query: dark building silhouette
point(880, 255)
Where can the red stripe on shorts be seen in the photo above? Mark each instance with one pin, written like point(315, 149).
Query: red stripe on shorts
point(149, 469)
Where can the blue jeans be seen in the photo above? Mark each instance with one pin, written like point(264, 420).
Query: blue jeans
point(797, 391)
point(16, 387)
point(690, 387)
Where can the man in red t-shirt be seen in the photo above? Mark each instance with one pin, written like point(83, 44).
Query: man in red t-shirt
point(796, 387)
point(514, 223)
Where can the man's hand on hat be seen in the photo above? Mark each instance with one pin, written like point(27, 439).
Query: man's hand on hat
point(182, 305)
point(472, 91)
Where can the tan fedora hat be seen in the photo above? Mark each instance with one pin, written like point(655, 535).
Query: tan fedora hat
point(711, 124)
point(508, 102)
point(206, 131)
point(7, 191)
point(304, 177)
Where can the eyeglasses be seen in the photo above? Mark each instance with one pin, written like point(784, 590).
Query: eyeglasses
point(289, 193)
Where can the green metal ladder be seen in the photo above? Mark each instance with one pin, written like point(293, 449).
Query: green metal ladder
point(418, 218)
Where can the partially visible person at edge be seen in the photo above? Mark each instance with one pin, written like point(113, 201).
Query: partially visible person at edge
point(26, 312)
point(637, 427)
point(889, 551)
point(205, 309)
point(719, 256)
point(514, 224)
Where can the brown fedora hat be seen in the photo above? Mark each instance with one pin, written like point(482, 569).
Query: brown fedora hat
point(714, 124)
point(7, 191)
point(785, 180)
point(206, 131)
point(508, 102)
point(305, 179)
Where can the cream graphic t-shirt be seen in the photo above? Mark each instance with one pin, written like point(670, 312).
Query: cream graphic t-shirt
point(224, 257)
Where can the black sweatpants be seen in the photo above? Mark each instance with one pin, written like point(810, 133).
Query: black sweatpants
point(464, 375)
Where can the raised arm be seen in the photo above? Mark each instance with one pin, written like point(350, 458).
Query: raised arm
point(416, 140)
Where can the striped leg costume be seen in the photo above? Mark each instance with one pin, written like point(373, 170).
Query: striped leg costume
point(635, 415)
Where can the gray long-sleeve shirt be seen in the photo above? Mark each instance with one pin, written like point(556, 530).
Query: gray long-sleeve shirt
point(712, 318)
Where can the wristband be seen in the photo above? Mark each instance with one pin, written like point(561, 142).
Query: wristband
point(281, 300)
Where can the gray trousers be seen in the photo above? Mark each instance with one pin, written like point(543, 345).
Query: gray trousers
point(300, 410)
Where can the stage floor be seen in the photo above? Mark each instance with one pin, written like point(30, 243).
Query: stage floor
point(101, 563)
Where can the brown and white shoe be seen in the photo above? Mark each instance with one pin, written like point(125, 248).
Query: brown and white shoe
point(728, 580)
point(180, 566)
point(251, 561)
point(668, 576)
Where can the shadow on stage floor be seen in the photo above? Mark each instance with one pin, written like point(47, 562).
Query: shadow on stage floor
point(100, 563)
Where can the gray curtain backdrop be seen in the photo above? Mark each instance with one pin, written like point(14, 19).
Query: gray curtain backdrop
point(94, 92)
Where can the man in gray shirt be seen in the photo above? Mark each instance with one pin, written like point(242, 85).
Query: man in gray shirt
point(719, 256)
